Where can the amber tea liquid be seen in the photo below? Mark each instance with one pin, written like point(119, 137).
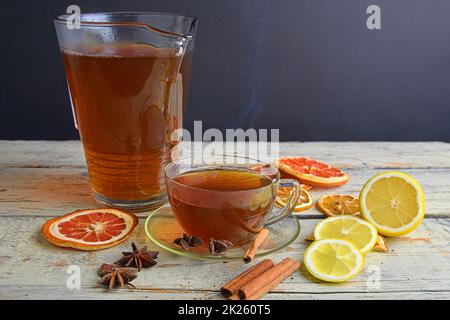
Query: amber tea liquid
point(222, 203)
point(127, 100)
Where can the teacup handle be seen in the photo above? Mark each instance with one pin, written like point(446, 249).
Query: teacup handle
point(290, 205)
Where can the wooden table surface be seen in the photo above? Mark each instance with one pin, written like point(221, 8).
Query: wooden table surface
point(43, 179)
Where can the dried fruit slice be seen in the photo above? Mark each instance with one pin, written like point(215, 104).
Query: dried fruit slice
point(338, 204)
point(304, 201)
point(310, 237)
point(92, 229)
point(381, 244)
point(311, 171)
point(306, 187)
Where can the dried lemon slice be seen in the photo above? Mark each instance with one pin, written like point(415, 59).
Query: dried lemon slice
point(338, 204)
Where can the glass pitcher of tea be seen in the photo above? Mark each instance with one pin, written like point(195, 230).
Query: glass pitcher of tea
point(127, 75)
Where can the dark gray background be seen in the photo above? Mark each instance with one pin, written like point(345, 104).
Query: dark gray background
point(310, 68)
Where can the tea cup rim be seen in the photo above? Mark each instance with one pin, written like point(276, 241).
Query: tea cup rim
point(277, 179)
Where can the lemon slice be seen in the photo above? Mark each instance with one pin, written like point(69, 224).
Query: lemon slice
point(333, 260)
point(393, 202)
point(359, 232)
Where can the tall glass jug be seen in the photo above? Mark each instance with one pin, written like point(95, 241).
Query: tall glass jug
point(128, 75)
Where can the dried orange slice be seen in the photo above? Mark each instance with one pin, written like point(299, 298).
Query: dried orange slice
point(304, 201)
point(338, 204)
point(381, 244)
point(306, 187)
point(92, 229)
point(313, 172)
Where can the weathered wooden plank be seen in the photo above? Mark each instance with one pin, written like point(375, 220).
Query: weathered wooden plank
point(53, 191)
point(88, 293)
point(374, 155)
point(369, 155)
point(41, 153)
point(417, 266)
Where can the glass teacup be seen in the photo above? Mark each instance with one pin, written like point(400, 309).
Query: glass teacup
point(226, 197)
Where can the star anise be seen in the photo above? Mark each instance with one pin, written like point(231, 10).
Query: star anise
point(138, 258)
point(218, 246)
point(187, 241)
point(114, 277)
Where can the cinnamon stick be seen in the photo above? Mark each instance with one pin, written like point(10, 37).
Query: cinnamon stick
point(268, 280)
point(250, 254)
point(230, 289)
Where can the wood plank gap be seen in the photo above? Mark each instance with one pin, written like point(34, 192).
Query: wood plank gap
point(175, 290)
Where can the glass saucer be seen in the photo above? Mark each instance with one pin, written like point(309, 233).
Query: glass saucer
point(162, 228)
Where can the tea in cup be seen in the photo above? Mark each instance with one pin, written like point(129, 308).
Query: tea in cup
point(226, 197)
